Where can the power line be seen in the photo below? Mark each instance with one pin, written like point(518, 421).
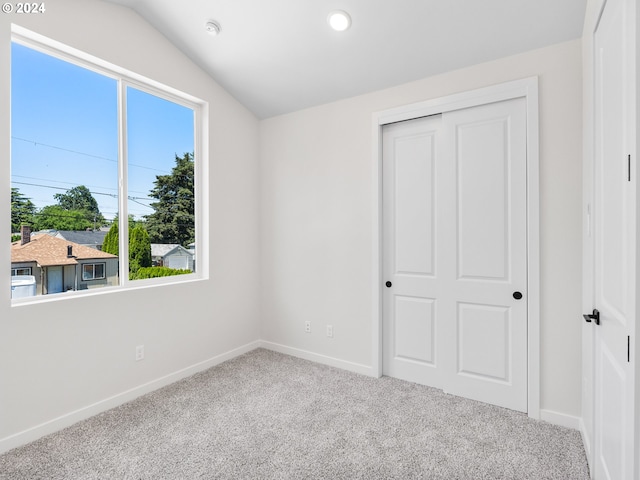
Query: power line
point(130, 198)
point(26, 140)
point(88, 218)
point(64, 149)
point(71, 183)
point(60, 181)
point(140, 203)
point(112, 195)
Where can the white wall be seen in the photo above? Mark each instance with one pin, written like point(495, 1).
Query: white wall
point(316, 218)
point(58, 359)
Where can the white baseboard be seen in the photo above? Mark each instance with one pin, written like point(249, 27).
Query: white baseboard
point(69, 419)
point(561, 419)
point(323, 359)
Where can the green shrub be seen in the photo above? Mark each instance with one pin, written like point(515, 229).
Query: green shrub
point(155, 272)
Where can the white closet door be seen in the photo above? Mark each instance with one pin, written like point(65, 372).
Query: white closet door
point(454, 215)
point(486, 251)
point(411, 310)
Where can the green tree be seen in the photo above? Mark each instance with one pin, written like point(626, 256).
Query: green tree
point(139, 249)
point(22, 210)
point(111, 243)
point(132, 221)
point(80, 199)
point(57, 218)
point(77, 198)
point(173, 220)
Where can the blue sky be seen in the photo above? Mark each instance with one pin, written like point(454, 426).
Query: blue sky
point(64, 129)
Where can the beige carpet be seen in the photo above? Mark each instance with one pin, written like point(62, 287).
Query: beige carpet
point(270, 416)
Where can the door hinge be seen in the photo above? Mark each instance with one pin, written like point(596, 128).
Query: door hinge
point(629, 167)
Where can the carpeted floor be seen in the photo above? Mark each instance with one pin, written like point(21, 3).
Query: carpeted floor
point(266, 415)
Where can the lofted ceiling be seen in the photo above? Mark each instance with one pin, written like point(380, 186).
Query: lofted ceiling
point(279, 56)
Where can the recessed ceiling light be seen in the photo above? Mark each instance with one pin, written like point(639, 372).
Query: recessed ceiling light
point(339, 20)
point(212, 27)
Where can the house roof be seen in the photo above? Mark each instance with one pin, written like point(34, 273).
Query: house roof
point(164, 249)
point(47, 251)
point(82, 237)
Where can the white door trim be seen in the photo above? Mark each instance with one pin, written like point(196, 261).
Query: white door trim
point(526, 88)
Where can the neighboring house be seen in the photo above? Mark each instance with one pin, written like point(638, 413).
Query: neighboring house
point(59, 265)
point(172, 255)
point(87, 238)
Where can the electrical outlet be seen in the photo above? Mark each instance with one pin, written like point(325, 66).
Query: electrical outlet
point(139, 353)
point(307, 327)
point(330, 331)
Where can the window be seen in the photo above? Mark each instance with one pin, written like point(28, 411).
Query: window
point(98, 153)
point(93, 271)
point(20, 271)
point(167, 208)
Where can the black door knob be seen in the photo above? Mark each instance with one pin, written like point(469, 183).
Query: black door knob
point(517, 295)
point(388, 284)
point(593, 316)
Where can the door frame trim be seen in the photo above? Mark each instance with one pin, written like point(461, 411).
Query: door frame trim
point(526, 88)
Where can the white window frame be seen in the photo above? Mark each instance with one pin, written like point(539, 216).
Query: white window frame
point(126, 78)
point(14, 271)
point(94, 264)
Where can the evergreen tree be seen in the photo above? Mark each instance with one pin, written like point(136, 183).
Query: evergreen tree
point(174, 218)
point(22, 210)
point(139, 249)
point(111, 243)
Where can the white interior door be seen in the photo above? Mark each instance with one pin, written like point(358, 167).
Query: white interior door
point(487, 222)
point(615, 243)
point(454, 223)
point(411, 310)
